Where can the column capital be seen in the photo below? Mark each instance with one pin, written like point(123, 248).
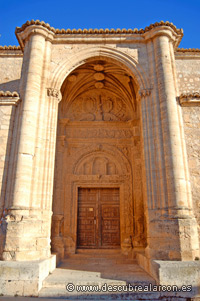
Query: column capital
point(51, 92)
point(145, 92)
point(167, 31)
point(24, 35)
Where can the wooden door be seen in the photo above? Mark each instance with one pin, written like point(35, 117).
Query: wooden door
point(98, 218)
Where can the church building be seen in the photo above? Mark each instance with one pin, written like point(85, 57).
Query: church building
point(99, 149)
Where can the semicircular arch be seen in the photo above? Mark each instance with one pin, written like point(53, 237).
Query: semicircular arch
point(129, 63)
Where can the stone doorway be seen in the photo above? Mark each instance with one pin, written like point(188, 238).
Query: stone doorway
point(98, 218)
point(98, 146)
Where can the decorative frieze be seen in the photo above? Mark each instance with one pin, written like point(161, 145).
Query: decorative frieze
point(99, 133)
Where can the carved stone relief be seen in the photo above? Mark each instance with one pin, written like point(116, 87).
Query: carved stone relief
point(97, 131)
point(75, 132)
point(97, 166)
point(98, 107)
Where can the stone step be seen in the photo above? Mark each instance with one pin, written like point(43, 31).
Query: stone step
point(98, 251)
point(63, 276)
point(61, 293)
point(84, 259)
point(94, 269)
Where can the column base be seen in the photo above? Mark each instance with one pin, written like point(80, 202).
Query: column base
point(25, 235)
point(172, 237)
point(178, 273)
point(24, 278)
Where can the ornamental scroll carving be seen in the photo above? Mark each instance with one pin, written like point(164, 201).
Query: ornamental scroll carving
point(98, 107)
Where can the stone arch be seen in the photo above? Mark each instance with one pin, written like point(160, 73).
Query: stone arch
point(112, 154)
point(114, 55)
point(97, 152)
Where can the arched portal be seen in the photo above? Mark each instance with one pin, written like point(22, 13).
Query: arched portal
point(98, 200)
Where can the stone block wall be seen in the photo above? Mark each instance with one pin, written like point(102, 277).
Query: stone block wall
point(191, 118)
point(10, 73)
point(10, 69)
point(188, 72)
point(188, 79)
point(7, 113)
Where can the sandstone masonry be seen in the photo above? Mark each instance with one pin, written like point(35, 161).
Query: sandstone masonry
point(99, 135)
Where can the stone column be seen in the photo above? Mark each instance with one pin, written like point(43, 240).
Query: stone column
point(26, 227)
point(172, 231)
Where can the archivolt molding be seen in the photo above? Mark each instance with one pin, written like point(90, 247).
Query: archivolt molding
point(99, 52)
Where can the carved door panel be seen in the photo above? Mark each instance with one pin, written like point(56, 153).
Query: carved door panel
point(87, 211)
point(98, 218)
point(110, 234)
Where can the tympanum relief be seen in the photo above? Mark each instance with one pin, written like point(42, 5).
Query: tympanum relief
point(98, 106)
point(98, 146)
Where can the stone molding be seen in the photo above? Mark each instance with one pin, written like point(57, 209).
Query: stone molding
point(188, 50)
point(13, 47)
point(40, 27)
point(189, 99)
point(98, 31)
point(9, 98)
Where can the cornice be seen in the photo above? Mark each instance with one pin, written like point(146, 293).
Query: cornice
point(97, 31)
point(11, 51)
point(10, 47)
point(95, 34)
point(189, 99)
point(188, 50)
point(9, 94)
point(9, 98)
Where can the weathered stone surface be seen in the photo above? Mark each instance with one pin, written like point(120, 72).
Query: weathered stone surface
point(24, 278)
point(191, 117)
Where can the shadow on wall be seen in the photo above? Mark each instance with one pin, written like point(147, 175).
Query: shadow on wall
point(11, 86)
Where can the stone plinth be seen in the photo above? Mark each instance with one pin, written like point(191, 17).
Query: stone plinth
point(24, 278)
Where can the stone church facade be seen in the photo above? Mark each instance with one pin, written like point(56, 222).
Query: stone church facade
point(99, 149)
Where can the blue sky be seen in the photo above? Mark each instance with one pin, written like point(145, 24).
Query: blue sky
point(102, 14)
